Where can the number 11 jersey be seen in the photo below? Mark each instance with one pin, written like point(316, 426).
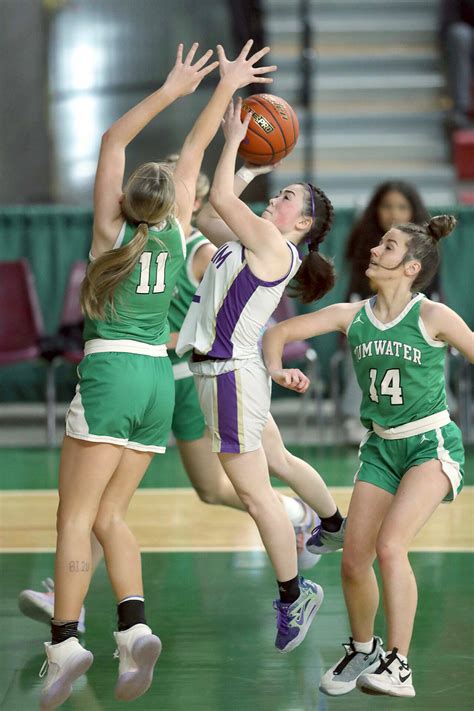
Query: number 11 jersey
point(399, 367)
point(143, 299)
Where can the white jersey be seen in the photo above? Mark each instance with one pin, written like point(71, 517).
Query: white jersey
point(231, 306)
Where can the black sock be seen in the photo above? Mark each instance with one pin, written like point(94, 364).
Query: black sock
point(131, 611)
point(289, 590)
point(332, 523)
point(61, 632)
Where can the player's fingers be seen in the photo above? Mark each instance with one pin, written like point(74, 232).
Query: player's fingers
point(258, 55)
point(245, 49)
point(179, 54)
point(221, 53)
point(207, 70)
point(191, 53)
point(262, 80)
point(264, 70)
point(204, 59)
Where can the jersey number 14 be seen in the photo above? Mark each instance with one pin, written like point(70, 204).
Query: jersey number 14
point(389, 385)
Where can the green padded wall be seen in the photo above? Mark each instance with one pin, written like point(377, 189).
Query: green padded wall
point(52, 238)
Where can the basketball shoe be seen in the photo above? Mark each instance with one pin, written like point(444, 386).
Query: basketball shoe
point(343, 676)
point(306, 559)
point(322, 541)
point(40, 605)
point(295, 618)
point(65, 662)
point(137, 649)
point(393, 677)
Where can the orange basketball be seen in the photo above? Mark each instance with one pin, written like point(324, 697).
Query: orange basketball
point(273, 129)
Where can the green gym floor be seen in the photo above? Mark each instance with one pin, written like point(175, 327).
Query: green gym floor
point(214, 615)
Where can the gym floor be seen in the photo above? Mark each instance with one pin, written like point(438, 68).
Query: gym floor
point(209, 590)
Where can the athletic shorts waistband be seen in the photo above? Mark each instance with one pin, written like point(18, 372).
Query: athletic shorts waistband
point(103, 345)
point(410, 429)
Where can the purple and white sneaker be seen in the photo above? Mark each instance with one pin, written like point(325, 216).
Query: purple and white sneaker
point(326, 541)
point(295, 618)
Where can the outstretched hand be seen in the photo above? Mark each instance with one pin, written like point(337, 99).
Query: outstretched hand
point(291, 378)
point(185, 76)
point(242, 69)
point(232, 125)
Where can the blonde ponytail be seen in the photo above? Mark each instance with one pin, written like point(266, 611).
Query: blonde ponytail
point(106, 272)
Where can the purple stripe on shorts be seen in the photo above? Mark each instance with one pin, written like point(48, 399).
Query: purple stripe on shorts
point(227, 413)
point(196, 298)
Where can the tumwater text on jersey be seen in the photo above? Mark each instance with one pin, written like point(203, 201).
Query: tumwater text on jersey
point(382, 347)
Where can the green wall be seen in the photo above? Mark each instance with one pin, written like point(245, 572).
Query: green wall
point(52, 238)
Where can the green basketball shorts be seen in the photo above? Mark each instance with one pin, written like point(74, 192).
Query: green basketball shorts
point(188, 421)
point(125, 399)
point(383, 462)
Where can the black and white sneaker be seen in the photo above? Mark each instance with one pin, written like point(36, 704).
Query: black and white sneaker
point(393, 677)
point(342, 677)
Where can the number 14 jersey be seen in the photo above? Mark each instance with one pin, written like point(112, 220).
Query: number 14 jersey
point(399, 367)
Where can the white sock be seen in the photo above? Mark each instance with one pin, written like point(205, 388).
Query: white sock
point(295, 510)
point(364, 647)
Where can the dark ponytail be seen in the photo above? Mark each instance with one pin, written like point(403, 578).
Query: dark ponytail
point(424, 246)
point(315, 277)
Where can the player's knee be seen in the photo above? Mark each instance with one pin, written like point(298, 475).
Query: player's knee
point(106, 522)
point(355, 565)
point(389, 549)
point(209, 496)
point(75, 522)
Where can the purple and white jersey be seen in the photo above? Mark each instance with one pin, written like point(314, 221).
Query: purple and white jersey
point(231, 306)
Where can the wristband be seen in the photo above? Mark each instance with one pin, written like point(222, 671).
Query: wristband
point(245, 174)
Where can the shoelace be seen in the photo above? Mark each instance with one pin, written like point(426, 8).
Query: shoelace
point(282, 618)
point(44, 668)
point(385, 663)
point(48, 585)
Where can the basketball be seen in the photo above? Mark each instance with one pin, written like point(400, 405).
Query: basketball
point(272, 132)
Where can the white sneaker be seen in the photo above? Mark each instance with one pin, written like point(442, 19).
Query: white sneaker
point(40, 605)
point(393, 676)
point(306, 559)
point(138, 650)
point(65, 662)
point(342, 677)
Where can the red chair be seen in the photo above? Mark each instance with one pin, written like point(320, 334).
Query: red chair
point(300, 352)
point(21, 323)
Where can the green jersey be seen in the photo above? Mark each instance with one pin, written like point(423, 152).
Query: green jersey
point(143, 299)
point(185, 289)
point(400, 369)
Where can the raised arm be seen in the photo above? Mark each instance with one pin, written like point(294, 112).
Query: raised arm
point(444, 324)
point(237, 74)
point(183, 79)
point(332, 318)
point(211, 223)
point(256, 234)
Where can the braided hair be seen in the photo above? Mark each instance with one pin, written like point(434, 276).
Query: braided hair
point(315, 277)
point(424, 246)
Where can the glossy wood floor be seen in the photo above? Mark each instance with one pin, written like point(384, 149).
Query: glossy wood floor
point(209, 594)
